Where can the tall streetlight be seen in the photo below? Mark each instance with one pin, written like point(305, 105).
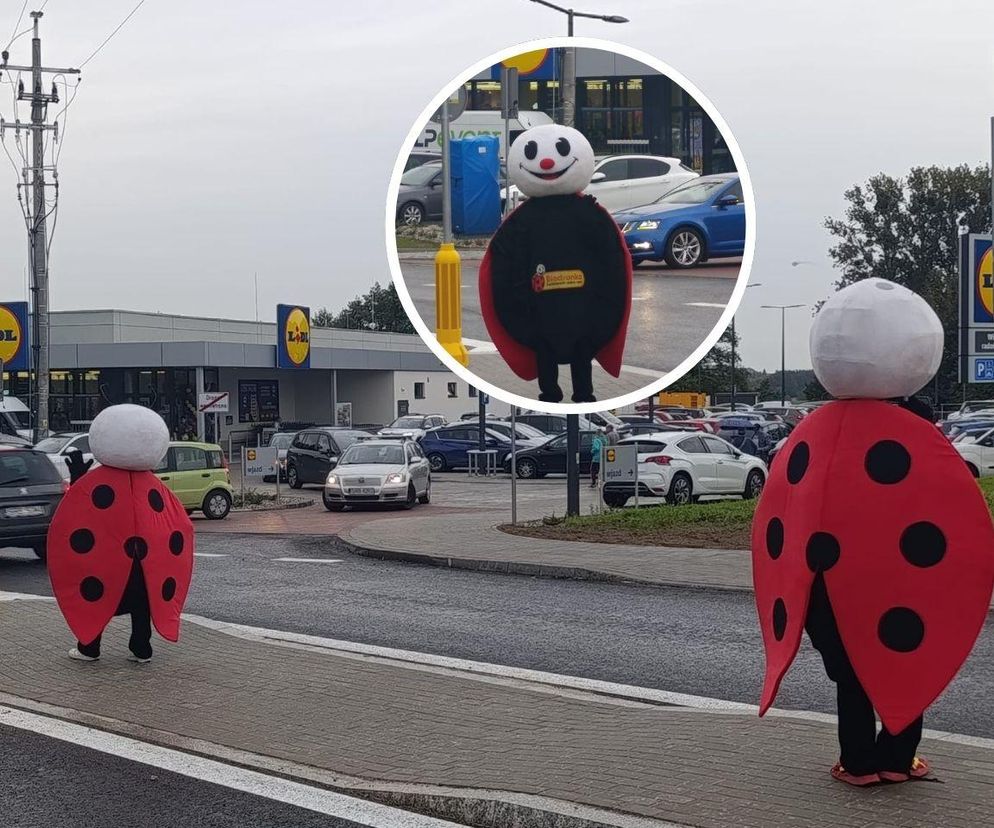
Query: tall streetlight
point(783, 348)
point(754, 284)
point(569, 58)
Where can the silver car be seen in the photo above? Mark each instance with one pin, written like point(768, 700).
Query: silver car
point(378, 472)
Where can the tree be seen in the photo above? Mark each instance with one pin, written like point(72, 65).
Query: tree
point(814, 390)
point(906, 230)
point(379, 309)
point(764, 389)
point(712, 374)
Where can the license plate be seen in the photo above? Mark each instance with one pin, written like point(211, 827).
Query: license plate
point(24, 511)
point(361, 490)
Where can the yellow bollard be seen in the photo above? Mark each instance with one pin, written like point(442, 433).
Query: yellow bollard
point(448, 302)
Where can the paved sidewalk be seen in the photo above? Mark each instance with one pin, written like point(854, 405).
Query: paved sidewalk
point(474, 542)
point(409, 728)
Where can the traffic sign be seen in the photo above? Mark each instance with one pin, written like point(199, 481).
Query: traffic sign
point(458, 101)
point(621, 464)
point(983, 369)
point(213, 402)
point(260, 461)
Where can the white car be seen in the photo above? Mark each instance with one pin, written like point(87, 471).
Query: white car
point(621, 182)
point(58, 447)
point(412, 425)
point(977, 451)
point(972, 408)
point(376, 472)
point(682, 466)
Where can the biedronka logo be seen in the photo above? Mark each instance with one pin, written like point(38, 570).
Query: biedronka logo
point(11, 335)
point(298, 336)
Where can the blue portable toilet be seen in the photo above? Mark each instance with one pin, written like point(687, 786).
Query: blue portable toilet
point(475, 174)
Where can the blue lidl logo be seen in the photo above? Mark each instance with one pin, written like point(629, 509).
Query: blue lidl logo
point(13, 336)
point(293, 324)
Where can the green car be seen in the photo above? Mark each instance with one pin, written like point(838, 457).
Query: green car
point(197, 474)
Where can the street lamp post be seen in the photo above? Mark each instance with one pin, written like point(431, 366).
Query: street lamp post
point(783, 348)
point(754, 284)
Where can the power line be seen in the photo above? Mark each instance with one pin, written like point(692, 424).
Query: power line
point(119, 27)
point(18, 23)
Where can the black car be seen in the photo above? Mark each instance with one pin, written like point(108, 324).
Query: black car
point(315, 451)
point(752, 438)
point(550, 457)
point(30, 490)
point(550, 423)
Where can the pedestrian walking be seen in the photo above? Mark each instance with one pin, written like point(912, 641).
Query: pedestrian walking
point(852, 541)
point(611, 435)
point(120, 542)
point(596, 447)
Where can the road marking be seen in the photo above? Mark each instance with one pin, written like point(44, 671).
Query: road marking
point(211, 771)
point(704, 305)
point(309, 560)
point(209, 555)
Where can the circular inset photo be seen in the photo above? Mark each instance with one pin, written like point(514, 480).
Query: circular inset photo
point(570, 225)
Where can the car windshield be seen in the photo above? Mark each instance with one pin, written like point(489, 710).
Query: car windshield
point(280, 441)
point(407, 422)
point(361, 454)
point(696, 192)
point(419, 176)
point(527, 432)
point(22, 418)
point(52, 445)
point(26, 468)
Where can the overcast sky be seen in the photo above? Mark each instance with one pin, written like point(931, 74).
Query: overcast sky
point(208, 144)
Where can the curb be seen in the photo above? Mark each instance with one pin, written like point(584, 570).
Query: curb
point(303, 503)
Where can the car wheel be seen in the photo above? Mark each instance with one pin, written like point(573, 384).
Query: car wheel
point(681, 491)
point(526, 468)
point(331, 505)
point(685, 248)
point(412, 497)
point(217, 504)
point(40, 549)
point(426, 497)
point(615, 499)
point(973, 469)
point(437, 462)
point(293, 478)
point(754, 485)
point(411, 214)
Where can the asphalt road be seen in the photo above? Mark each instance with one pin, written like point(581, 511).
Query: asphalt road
point(701, 642)
point(672, 311)
point(49, 783)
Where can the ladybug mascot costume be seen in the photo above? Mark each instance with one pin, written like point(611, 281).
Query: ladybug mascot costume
point(854, 540)
point(120, 542)
point(556, 280)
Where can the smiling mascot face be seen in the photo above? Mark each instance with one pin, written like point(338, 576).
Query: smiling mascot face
point(550, 160)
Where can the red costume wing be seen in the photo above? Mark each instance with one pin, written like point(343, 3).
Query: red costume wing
point(904, 537)
point(87, 562)
point(162, 523)
point(519, 358)
point(610, 355)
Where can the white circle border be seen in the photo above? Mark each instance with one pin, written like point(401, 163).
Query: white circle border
point(429, 337)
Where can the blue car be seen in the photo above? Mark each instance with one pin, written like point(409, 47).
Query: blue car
point(446, 447)
point(700, 220)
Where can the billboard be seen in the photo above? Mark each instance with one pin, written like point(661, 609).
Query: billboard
point(976, 317)
point(293, 331)
point(14, 345)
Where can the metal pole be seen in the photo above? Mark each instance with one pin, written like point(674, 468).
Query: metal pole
point(39, 238)
point(572, 465)
point(733, 364)
point(446, 177)
point(783, 359)
point(506, 93)
point(483, 420)
point(514, 468)
point(569, 78)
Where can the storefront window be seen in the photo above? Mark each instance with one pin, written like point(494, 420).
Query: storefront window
point(629, 93)
point(597, 93)
point(484, 95)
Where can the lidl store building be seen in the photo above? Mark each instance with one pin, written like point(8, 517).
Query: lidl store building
point(164, 362)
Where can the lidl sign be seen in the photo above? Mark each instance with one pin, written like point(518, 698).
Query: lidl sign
point(976, 295)
point(14, 349)
point(293, 326)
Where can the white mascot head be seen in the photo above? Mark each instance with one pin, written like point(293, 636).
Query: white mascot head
point(550, 160)
point(877, 340)
point(129, 437)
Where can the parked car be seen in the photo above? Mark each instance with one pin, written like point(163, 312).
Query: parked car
point(551, 423)
point(31, 488)
point(281, 441)
point(414, 425)
point(419, 197)
point(59, 446)
point(376, 472)
point(15, 417)
point(620, 182)
point(753, 438)
point(197, 474)
point(446, 447)
point(603, 419)
point(419, 157)
point(977, 452)
point(972, 407)
point(684, 466)
point(550, 457)
point(644, 427)
point(525, 435)
point(315, 451)
point(704, 219)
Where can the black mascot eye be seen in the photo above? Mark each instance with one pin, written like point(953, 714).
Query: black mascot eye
point(531, 150)
point(562, 147)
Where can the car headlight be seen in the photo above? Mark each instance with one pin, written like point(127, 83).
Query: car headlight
point(332, 480)
point(648, 224)
point(396, 478)
point(282, 462)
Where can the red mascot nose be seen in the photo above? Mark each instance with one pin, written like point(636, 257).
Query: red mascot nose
point(547, 163)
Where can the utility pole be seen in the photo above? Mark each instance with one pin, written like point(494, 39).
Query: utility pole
point(36, 216)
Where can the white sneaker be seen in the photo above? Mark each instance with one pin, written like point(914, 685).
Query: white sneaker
point(137, 660)
point(76, 655)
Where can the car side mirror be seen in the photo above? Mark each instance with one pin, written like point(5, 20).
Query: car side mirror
point(727, 201)
point(597, 176)
point(436, 182)
point(332, 462)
